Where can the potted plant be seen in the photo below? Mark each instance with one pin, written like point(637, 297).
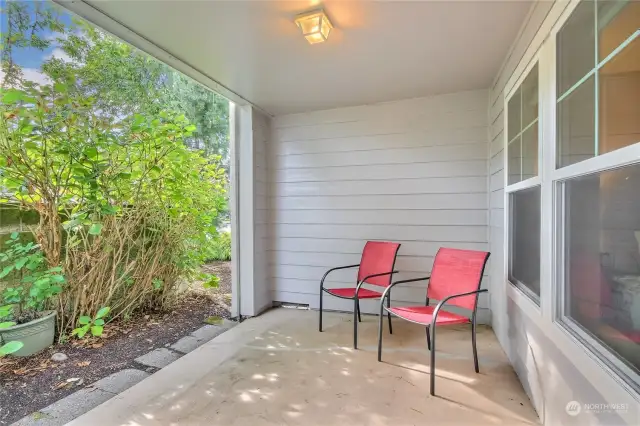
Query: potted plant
point(27, 314)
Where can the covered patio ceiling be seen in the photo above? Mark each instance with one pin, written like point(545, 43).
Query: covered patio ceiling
point(379, 51)
point(278, 369)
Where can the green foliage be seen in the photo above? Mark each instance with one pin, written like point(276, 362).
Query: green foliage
point(94, 325)
point(130, 81)
point(219, 247)
point(7, 324)
point(38, 284)
point(10, 347)
point(105, 155)
point(5, 311)
point(211, 281)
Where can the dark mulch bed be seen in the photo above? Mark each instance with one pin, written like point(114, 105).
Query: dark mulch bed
point(30, 384)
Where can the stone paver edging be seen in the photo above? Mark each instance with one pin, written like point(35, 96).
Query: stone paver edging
point(89, 397)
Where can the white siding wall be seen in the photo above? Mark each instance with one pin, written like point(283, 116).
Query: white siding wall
point(552, 377)
point(412, 171)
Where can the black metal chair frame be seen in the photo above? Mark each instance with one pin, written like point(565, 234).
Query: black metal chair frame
point(431, 340)
point(356, 305)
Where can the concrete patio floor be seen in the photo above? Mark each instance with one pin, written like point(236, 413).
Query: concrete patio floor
point(278, 369)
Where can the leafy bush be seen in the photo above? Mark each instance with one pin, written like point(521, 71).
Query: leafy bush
point(220, 247)
point(123, 203)
point(37, 285)
point(102, 155)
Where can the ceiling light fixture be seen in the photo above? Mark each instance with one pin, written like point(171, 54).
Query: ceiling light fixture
point(315, 26)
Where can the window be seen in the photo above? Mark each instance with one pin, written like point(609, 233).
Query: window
point(602, 258)
point(598, 197)
point(523, 186)
point(598, 80)
point(524, 243)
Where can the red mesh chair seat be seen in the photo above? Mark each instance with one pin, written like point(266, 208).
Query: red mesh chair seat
point(364, 293)
point(424, 315)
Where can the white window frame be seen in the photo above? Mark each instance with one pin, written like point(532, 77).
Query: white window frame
point(520, 290)
point(622, 157)
point(599, 374)
point(565, 332)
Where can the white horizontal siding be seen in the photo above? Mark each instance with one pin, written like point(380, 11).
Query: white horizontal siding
point(328, 245)
point(429, 154)
point(382, 232)
point(458, 202)
point(451, 185)
point(383, 217)
point(411, 171)
point(414, 170)
point(423, 139)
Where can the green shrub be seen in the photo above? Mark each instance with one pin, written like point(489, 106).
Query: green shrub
point(220, 247)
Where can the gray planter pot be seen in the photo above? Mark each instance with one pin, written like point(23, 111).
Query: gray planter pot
point(36, 335)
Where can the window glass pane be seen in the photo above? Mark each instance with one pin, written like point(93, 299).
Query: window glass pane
point(530, 152)
point(515, 161)
point(576, 46)
point(514, 124)
point(523, 113)
point(530, 97)
point(602, 258)
point(576, 125)
point(617, 21)
point(619, 100)
point(524, 239)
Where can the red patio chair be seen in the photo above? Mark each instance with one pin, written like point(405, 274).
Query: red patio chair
point(375, 268)
point(455, 280)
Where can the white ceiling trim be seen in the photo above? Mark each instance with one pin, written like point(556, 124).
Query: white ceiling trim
point(112, 26)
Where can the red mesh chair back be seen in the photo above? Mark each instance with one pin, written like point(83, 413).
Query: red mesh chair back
point(378, 257)
point(457, 271)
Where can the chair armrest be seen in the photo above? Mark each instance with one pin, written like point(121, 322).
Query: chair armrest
point(335, 269)
point(411, 280)
point(372, 276)
point(446, 299)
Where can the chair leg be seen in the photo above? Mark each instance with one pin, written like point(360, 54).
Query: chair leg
point(380, 333)
point(473, 342)
point(433, 363)
point(355, 323)
point(389, 313)
point(320, 319)
point(358, 306)
point(428, 338)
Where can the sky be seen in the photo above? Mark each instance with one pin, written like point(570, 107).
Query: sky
point(31, 59)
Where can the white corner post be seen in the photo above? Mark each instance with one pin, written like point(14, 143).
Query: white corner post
point(245, 291)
